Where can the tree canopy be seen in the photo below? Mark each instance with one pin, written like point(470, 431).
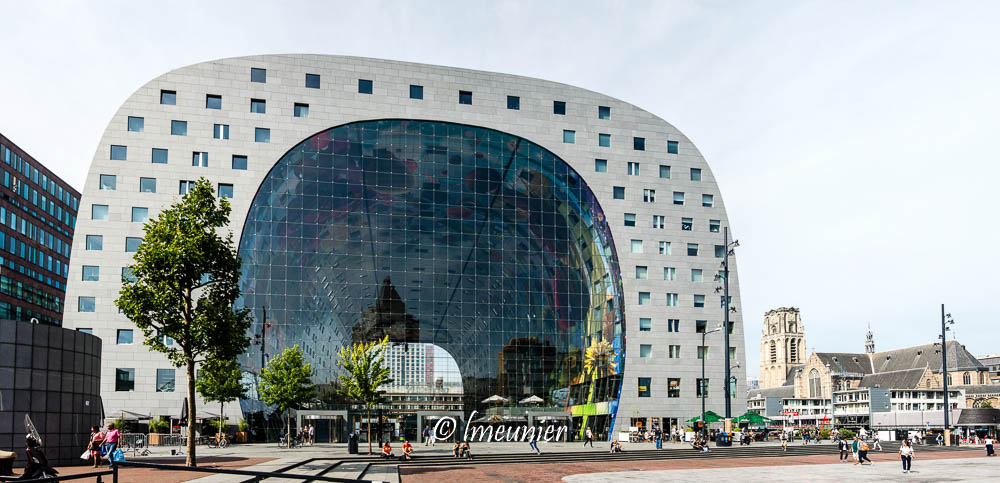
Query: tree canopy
point(367, 372)
point(286, 382)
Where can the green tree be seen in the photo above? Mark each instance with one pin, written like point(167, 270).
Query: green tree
point(185, 278)
point(366, 370)
point(286, 383)
point(220, 381)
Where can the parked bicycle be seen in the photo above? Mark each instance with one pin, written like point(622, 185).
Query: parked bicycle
point(220, 441)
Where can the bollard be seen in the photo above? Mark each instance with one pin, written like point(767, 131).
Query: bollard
point(114, 474)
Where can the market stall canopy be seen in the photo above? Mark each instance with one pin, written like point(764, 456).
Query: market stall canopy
point(710, 417)
point(752, 418)
point(531, 400)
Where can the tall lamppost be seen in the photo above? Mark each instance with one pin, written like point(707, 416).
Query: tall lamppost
point(946, 320)
point(702, 385)
point(729, 250)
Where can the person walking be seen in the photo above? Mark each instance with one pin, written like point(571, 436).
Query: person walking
point(855, 446)
point(94, 445)
point(534, 442)
point(659, 438)
point(989, 445)
point(876, 443)
point(863, 453)
point(588, 438)
point(312, 435)
point(427, 435)
point(906, 455)
point(784, 441)
point(111, 443)
point(843, 450)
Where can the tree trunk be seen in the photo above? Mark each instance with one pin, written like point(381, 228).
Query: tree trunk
point(368, 412)
point(221, 417)
point(288, 426)
point(191, 459)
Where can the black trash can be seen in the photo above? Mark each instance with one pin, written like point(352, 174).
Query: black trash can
point(352, 444)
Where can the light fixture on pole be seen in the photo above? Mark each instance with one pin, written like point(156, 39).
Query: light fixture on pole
point(702, 386)
point(730, 249)
point(946, 320)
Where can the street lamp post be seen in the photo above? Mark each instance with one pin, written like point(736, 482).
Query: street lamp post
point(702, 385)
point(946, 320)
point(729, 250)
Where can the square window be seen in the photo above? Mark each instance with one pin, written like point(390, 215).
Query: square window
point(644, 383)
point(513, 102)
point(603, 112)
point(569, 137)
point(659, 222)
point(692, 249)
point(147, 185)
point(695, 174)
point(179, 128)
point(629, 219)
point(118, 153)
point(258, 75)
point(702, 386)
point(239, 162)
point(643, 298)
point(674, 325)
point(678, 198)
point(714, 225)
point(132, 244)
point(720, 251)
point(220, 131)
point(95, 242)
point(91, 273)
point(687, 224)
point(159, 156)
point(645, 325)
point(707, 201)
point(225, 191)
point(604, 140)
point(125, 380)
point(664, 171)
point(619, 193)
point(301, 110)
point(136, 124)
point(258, 105)
point(165, 380)
point(262, 135)
point(633, 168)
point(648, 196)
point(416, 92)
point(636, 246)
point(673, 387)
point(213, 101)
point(86, 304)
point(672, 300)
point(559, 107)
point(696, 276)
point(703, 352)
point(465, 97)
point(640, 273)
point(185, 186)
point(98, 212)
point(672, 147)
point(139, 214)
point(669, 273)
point(639, 144)
point(109, 182)
point(700, 326)
point(199, 159)
point(664, 248)
point(168, 97)
point(645, 350)
point(364, 86)
point(601, 165)
point(312, 81)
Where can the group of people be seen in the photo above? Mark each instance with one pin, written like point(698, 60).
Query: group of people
point(858, 449)
point(406, 455)
point(103, 443)
point(462, 450)
point(307, 435)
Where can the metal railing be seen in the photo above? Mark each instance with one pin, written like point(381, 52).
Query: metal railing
point(254, 476)
point(78, 476)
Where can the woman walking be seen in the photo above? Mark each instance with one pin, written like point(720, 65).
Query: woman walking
point(111, 443)
point(906, 454)
point(96, 440)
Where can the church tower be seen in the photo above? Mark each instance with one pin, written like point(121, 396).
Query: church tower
point(782, 345)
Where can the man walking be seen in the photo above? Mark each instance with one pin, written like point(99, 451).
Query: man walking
point(784, 441)
point(534, 443)
point(855, 446)
point(989, 446)
point(659, 438)
point(588, 438)
point(863, 453)
point(843, 450)
point(875, 442)
point(427, 435)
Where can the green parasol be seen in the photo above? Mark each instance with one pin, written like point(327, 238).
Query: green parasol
point(710, 417)
point(752, 418)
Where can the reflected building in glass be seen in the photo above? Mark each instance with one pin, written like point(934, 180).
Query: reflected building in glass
point(504, 233)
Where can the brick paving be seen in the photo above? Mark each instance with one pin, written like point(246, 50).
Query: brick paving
point(148, 475)
point(556, 471)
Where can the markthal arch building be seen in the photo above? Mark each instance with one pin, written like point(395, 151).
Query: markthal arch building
point(532, 242)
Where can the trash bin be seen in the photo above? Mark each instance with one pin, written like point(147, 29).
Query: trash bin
point(723, 439)
point(352, 444)
point(7, 462)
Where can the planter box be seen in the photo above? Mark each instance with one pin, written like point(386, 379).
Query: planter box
point(241, 437)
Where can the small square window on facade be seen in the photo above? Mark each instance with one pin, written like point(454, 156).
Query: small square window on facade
point(119, 153)
point(692, 249)
point(132, 244)
point(86, 304)
point(124, 336)
point(258, 105)
point(604, 140)
point(641, 272)
point(91, 273)
point(165, 380)
point(672, 299)
point(213, 101)
point(465, 97)
point(301, 110)
point(125, 380)
point(707, 201)
point(659, 222)
point(695, 174)
point(673, 325)
point(109, 182)
point(601, 165)
point(98, 212)
point(669, 273)
point(258, 75)
point(147, 185)
point(513, 102)
point(636, 246)
point(664, 171)
point(559, 107)
point(645, 350)
point(633, 168)
point(312, 81)
point(239, 162)
point(603, 112)
point(672, 147)
point(139, 214)
point(678, 198)
point(185, 186)
point(720, 251)
point(168, 97)
point(364, 86)
point(262, 135)
point(136, 124)
point(664, 248)
point(674, 386)
point(699, 301)
point(644, 389)
point(645, 324)
point(649, 196)
point(220, 131)
point(687, 224)
point(619, 192)
point(639, 144)
point(643, 298)
point(696, 275)
point(714, 225)
point(128, 275)
point(179, 128)
point(159, 156)
point(95, 242)
point(225, 191)
point(569, 137)
point(629, 219)
point(416, 92)
point(199, 159)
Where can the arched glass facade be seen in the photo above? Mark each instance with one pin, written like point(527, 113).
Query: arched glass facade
point(480, 242)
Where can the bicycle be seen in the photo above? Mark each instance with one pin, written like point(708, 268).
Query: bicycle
point(219, 442)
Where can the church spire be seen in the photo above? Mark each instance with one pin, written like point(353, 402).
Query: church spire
point(869, 341)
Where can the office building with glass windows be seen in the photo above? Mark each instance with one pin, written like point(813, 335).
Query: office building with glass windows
point(37, 216)
point(511, 236)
